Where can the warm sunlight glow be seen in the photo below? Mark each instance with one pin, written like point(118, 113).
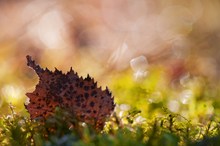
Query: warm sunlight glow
point(12, 94)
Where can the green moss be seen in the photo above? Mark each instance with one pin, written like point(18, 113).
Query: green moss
point(142, 116)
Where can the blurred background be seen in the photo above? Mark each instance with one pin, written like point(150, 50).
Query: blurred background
point(170, 42)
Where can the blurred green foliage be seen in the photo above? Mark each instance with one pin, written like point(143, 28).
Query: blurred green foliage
point(146, 114)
